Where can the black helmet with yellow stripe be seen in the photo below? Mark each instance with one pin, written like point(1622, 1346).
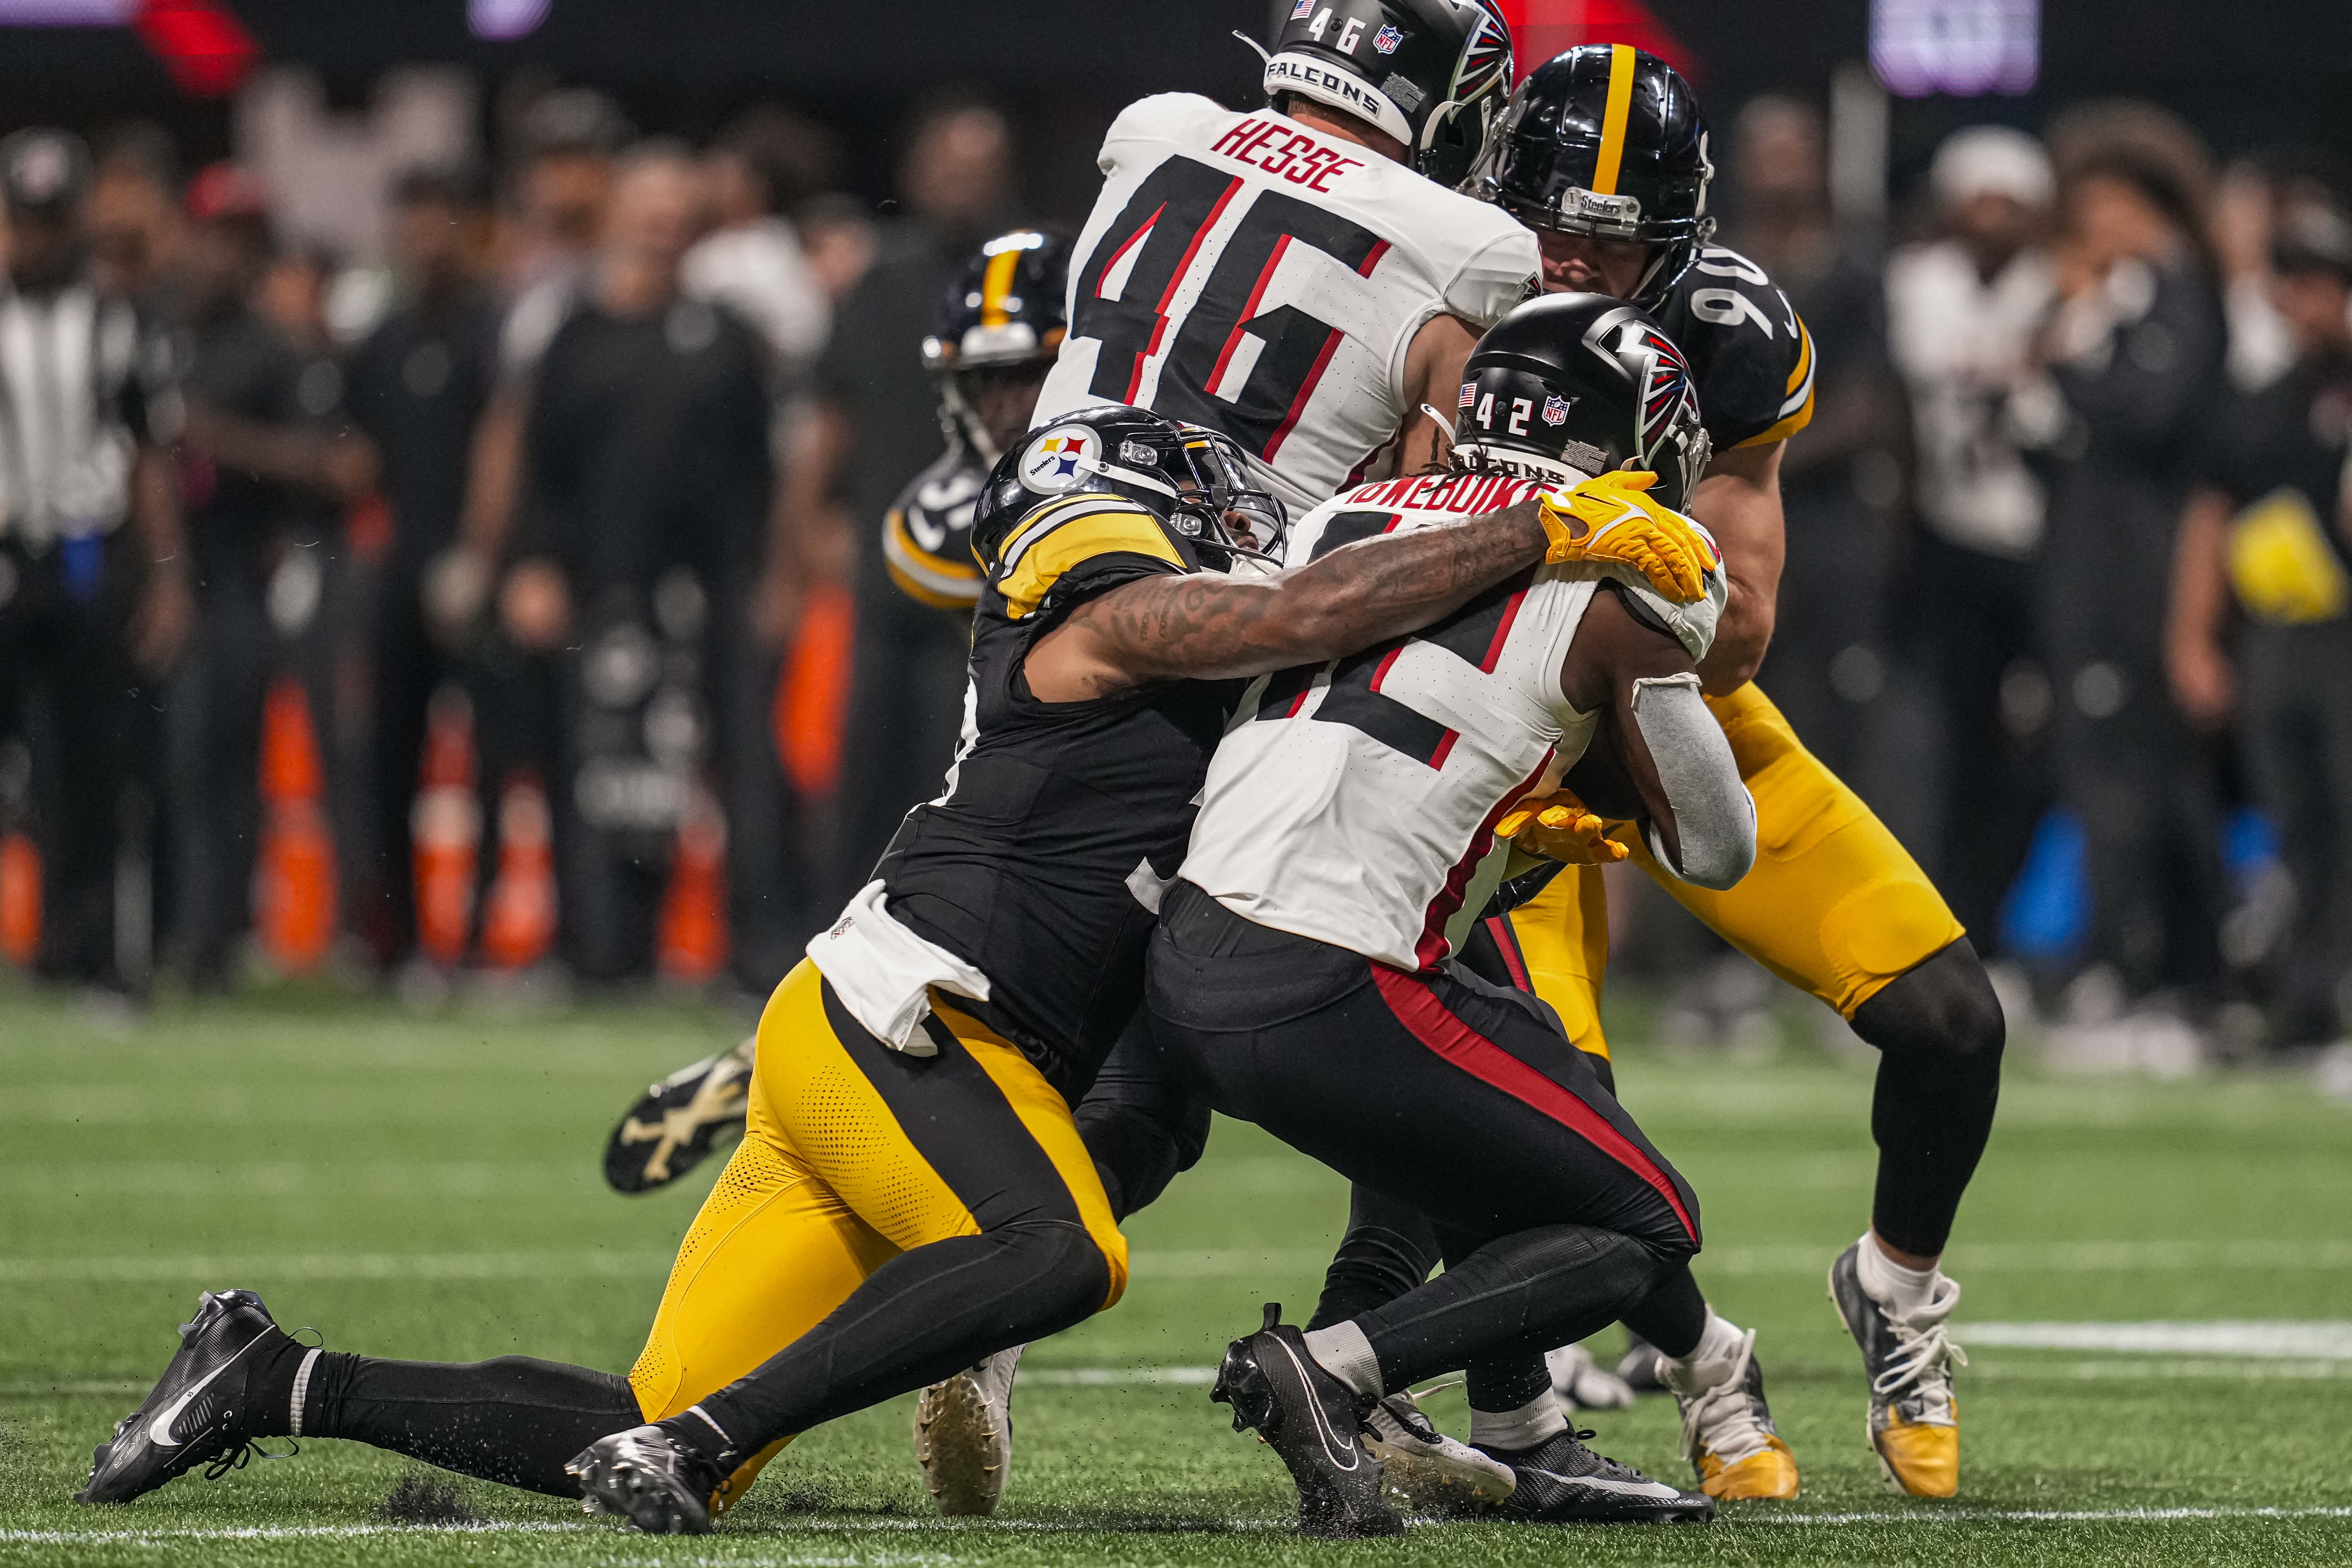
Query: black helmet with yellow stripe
point(999, 327)
point(1607, 140)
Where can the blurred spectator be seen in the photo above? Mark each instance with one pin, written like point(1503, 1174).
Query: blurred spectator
point(2262, 345)
point(418, 385)
point(2136, 353)
point(1841, 475)
point(761, 166)
point(646, 481)
point(838, 237)
point(2267, 527)
point(1963, 311)
point(87, 607)
point(874, 425)
point(569, 140)
point(136, 231)
point(268, 462)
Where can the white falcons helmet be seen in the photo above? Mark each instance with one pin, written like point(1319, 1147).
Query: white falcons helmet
point(1434, 74)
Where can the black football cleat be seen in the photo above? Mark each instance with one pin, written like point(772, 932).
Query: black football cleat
point(677, 1122)
point(1561, 1481)
point(1314, 1422)
point(650, 1479)
point(201, 1410)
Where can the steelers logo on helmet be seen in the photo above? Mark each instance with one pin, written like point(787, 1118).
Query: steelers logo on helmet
point(1063, 458)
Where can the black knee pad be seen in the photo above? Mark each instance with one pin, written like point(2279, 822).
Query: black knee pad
point(1945, 1004)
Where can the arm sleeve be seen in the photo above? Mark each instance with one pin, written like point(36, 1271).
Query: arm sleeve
point(1715, 817)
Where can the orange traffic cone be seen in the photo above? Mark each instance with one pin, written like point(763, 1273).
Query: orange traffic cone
point(691, 940)
point(294, 872)
point(518, 919)
point(445, 829)
point(812, 696)
point(20, 899)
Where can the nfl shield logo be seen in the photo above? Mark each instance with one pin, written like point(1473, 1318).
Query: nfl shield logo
point(1469, 393)
point(1387, 39)
point(1303, 7)
point(1555, 410)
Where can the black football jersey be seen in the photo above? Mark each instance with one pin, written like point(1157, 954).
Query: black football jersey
point(927, 533)
point(1043, 862)
point(1750, 356)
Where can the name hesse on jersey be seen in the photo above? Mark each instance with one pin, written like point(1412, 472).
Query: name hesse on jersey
point(1301, 159)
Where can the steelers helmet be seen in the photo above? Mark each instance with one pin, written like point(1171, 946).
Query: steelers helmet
point(1192, 479)
point(1434, 74)
point(1607, 140)
point(1006, 312)
point(1581, 383)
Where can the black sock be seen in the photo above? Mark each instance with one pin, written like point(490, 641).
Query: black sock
point(1506, 1380)
point(1389, 1248)
point(1673, 1317)
point(513, 1420)
point(930, 1312)
point(1939, 1032)
point(1549, 1285)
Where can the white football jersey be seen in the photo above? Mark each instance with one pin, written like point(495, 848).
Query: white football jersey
point(1248, 273)
point(1351, 802)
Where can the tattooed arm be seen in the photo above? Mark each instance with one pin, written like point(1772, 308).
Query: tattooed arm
point(1210, 627)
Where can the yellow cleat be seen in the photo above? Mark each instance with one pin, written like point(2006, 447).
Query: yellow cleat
point(1914, 1420)
point(1922, 1458)
point(1769, 1472)
point(1727, 1433)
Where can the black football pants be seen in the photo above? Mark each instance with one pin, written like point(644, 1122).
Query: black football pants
point(1460, 1099)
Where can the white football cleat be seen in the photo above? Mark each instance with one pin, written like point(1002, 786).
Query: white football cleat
point(963, 1436)
point(1584, 1383)
point(1427, 1472)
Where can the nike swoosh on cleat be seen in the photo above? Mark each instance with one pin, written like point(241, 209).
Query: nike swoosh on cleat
point(1627, 1488)
point(1330, 1438)
point(159, 1430)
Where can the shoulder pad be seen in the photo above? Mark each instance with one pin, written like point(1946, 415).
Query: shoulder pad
point(927, 535)
point(1070, 540)
point(1750, 356)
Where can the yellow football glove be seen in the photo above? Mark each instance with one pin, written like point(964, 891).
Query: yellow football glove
point(1558, 827)
point(1607, 518)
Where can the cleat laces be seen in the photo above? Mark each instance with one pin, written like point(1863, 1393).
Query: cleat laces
point(1721, 1418)
point(1924, 1351)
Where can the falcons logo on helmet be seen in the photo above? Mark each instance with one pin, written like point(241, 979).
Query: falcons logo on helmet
point(1487, 64)
point(1666, 390)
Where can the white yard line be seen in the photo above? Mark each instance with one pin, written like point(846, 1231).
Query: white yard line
point(2309, 1340)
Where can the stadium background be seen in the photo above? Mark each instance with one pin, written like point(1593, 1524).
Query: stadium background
point(2157, 1254)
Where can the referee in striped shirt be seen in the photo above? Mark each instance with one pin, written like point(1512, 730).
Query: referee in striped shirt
point(94, 587)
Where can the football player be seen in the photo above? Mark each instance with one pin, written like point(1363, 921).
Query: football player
point(1603, 155)
point(912, 1194)
point(1000, 325)
point(1302, 977)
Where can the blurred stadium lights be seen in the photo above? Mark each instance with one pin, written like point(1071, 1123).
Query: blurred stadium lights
point(1964, 47)
point(200, 42)
point(505, 18)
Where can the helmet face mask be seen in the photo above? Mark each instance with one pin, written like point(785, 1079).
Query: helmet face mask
point(1607, 141)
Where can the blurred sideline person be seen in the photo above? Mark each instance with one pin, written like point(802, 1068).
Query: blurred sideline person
point(1617, 196)
point(914, 1195)
point(419, 385)
point(2135, 354)
point(646, 475)
point(2266, 528)
point(999, 326)
point(95, 599)
point(1963, 311)
point(751, 260)
point(1840, 478)
point(267, 464)
point(870, 423)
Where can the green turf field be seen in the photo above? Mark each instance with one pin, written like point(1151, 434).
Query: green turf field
point(428, 1188)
